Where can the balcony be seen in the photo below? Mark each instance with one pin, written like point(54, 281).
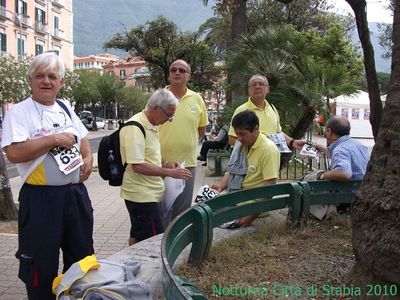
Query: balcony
point(25, 20)
point(41, 27)
point(58, 3)
point(58, 34)
point(3, 12)
point(41, 2)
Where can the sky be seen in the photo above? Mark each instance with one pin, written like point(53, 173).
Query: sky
point(376, 11)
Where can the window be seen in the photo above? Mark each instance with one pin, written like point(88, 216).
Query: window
point(122, 74)
point(3, 3)
point(3, 42)
point(40, 16)
point(39, 47)
point(56, 26)
point(21, 7)
point(21, 46)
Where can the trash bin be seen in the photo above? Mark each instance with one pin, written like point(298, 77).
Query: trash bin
point(110, 125)
point(217, 162)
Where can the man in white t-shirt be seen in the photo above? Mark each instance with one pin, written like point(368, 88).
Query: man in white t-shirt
point(49, 145)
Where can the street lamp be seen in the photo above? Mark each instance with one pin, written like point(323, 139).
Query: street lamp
point(20, 30)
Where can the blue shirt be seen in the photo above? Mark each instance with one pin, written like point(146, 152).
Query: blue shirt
point(349, 156)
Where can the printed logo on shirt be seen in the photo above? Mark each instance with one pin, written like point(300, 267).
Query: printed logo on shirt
point(193, 108)
point(252, 168)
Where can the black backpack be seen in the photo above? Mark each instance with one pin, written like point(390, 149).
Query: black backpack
point(113, 171)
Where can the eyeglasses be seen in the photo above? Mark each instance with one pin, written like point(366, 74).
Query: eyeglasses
point(169, 116)
point(254, 84)
point(180, 70)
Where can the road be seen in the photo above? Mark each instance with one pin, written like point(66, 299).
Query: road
point(12, 170)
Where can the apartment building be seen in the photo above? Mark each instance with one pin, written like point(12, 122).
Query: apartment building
point(126, 69)
point(31, 27)
point(94, 62)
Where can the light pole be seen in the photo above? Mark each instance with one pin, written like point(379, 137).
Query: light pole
point(20, 31)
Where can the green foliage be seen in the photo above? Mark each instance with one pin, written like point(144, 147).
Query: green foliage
point(108, 86)
point(133, 100)
point(71, 81)
point(384, 81)
point(86, 92)
point(159, 43)
point(14, 85)
point(303, 68)
point(385, 39)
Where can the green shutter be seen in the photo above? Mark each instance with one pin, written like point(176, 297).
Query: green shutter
point(3, 39)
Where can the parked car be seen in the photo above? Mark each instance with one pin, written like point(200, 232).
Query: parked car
point(100, 123)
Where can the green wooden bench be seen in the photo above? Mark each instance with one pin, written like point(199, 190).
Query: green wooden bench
point(195, 225)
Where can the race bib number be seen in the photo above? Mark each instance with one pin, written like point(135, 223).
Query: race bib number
point(68, 160)
point(205, 193)
point(309, 150)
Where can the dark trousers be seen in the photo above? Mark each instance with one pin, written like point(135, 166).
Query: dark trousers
point(51, 218)
point(145, 219)
point(211, 145)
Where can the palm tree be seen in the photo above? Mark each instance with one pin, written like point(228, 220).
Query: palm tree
point(237, 9)
point(301, 84)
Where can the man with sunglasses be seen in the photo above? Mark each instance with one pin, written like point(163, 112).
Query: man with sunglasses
point(179, 139)
point(142, 184)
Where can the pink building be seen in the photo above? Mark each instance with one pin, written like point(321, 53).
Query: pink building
point(126, 69)
point(31, 27)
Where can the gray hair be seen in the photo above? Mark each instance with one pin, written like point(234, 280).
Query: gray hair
point(259, 76)
point(162, 98)
point(47, 60)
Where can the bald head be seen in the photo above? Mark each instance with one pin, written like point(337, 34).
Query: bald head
point(182, 63)
point(339, 125)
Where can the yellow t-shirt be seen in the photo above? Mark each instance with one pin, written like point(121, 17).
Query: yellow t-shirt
point(179, 138)
point(263, 163)
point(136, 149)
point(268, 117)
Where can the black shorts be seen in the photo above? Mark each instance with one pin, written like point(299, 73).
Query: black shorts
point(145, 219)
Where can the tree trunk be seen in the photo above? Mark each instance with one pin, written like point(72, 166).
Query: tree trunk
point(359, 8)
point(238, 27)
point(8, 211)
point(376, 210)
point(304, 123)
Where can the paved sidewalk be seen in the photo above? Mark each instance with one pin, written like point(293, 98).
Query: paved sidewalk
point(111, 227)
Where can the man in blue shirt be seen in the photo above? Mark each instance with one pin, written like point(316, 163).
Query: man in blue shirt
point(349, 158)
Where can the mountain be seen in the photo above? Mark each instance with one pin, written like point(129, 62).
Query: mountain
point(382, 65)
point(96, 21)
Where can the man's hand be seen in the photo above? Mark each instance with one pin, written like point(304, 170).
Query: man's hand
point(86, 168)
point(179, 173)
point(65, 140)
point(298, 144)
point(217, 186)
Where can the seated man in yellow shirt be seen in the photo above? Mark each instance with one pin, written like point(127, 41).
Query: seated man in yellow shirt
point(254, 161)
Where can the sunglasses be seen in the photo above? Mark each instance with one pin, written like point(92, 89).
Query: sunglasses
point(180, 70)
point(169, 116)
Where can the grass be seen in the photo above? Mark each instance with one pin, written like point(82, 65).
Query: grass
point(280, 260)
